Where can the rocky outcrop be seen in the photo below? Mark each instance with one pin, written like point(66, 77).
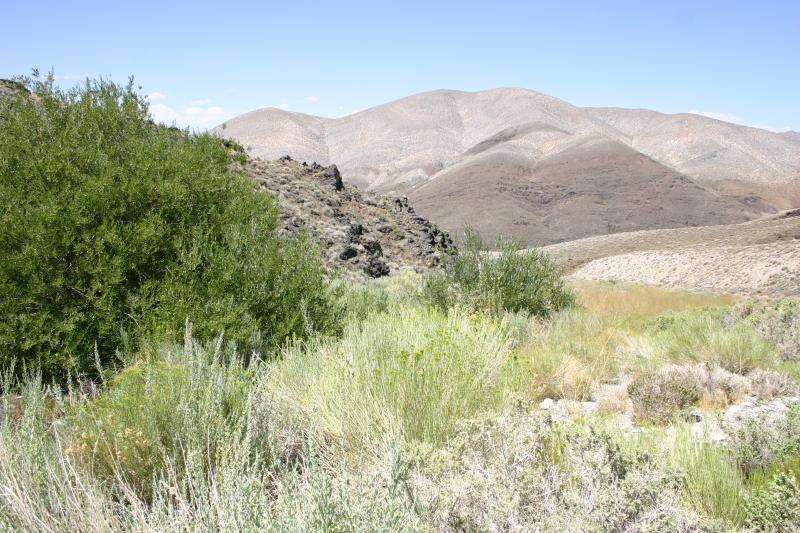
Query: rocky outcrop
point(10, 88)
point(364, 234)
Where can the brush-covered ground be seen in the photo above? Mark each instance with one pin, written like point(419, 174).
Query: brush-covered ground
point(417, 419)
point(483, 396)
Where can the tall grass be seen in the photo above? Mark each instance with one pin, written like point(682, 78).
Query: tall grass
point(410, 373)
point(221, 462)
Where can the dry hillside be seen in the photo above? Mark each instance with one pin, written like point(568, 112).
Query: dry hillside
point(521, 163)
point(363, 234)
point(757, 257)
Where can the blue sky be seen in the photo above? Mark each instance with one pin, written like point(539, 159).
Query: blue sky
point(203, 62)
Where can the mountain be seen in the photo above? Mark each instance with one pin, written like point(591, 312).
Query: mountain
point(519, 163)
point(794, 135)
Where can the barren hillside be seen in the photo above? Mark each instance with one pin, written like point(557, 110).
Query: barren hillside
point(521, 163)
point(757, 257)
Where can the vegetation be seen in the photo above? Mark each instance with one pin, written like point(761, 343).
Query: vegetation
point(660, 395)
point(486, 397)
point(509, 281)
point(113, 229)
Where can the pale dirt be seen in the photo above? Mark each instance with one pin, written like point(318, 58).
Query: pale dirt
point(758, 257)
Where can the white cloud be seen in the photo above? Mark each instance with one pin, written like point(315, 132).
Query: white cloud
point(726, 117)
point(196, 117)
point(198, 114)
point(163, 113)
point(312, 99)
point(353, 112)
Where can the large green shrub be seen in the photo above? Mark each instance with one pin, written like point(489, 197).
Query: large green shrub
point(511, 280)
point(112, 227)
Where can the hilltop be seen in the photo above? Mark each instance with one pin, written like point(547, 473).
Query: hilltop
point(523, 164)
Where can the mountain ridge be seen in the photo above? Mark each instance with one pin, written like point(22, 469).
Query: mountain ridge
point(507, 135)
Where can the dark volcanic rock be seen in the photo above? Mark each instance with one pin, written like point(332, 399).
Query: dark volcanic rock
point(331, 176)
point(373, 248)
point(376, 267)
point(348, 253)
point(362, 233)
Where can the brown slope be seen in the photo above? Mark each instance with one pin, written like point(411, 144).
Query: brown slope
point(361, 233)
point(498, 156)
point(595, 187)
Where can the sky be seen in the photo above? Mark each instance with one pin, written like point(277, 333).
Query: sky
point(201, 63)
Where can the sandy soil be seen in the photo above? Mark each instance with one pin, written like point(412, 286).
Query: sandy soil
point(759, 257)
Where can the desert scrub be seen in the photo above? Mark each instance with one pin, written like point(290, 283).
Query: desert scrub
point(221, 480)
point(775, 506)
point(149, 415)
point(410, 373)
point(760, 443)
point(658, 396)
point(521, 472)
point(511, 280)
point(114, 229)
point(777, 322)
point(704, 336)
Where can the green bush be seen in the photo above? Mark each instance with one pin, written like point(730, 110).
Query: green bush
point(775, 506)
point(658, 396)
point(112, 228)
point(705, 336)
point(511, 280)
point(149, 416)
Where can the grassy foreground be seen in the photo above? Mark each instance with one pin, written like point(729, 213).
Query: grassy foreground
point(417, 419)
point(487, 396)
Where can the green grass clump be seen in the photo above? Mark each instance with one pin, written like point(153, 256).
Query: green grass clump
point(410, 373)
point(508, 281)
point(565, 355)
point(113, 228)
point(705, 336)
point(713, 483)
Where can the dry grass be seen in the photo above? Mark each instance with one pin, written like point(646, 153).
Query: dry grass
point(643, 301)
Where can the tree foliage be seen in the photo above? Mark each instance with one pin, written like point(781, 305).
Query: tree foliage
point(113, 227)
